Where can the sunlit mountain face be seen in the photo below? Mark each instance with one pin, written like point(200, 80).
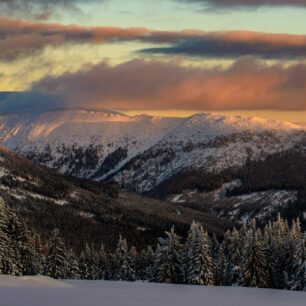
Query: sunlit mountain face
point(173, 58)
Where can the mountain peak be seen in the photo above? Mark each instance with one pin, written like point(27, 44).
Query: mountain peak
point(236, 123)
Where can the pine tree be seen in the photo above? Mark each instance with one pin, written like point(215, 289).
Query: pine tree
point(167, 259)
point(104, 264)
point(40, 254)
point(215, 248)
point(227, 259)
point(221, 267)
point(254, 261)
point(271, 247)
point(124, 269)
point(235, 247)
point(144, 264)
point(4, 240)
point(197, 260)
point(90, 264)
point(73, 265)
point(297, 280)
point(28, 261)
point(56, 265)
point(15, 264)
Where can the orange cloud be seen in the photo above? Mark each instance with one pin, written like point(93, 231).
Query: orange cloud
point(247, 84)
point(22, 38)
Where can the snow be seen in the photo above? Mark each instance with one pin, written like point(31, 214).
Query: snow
point(178, 199)
point(37, 291)
point(3, 172)
point(105, 131)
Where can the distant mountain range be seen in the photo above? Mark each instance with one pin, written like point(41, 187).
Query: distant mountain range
point(151, 155)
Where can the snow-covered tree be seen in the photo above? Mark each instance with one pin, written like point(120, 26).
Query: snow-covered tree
point(56, 264)
point(73, 266)
point(89, 266)
point(22, 248)
point(123, 263)
point(167, 259)
point(104, 264)
point(297, 277)
point(236, 256)
point(4, 255)
point(197, 259)
point(254, 273)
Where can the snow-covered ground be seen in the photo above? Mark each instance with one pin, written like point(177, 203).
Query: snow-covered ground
point(37, 291)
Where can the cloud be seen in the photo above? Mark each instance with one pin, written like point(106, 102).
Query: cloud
point(39, 9)
point(246, 3)
point(233, 44)
point(247, 84)
point(22, 38)
point(32, 101)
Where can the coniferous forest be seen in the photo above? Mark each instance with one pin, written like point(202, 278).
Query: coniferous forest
point(269, 257)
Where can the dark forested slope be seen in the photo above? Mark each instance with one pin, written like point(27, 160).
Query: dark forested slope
point(86, 211)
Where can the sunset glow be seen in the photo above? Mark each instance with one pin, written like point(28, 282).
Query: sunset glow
point(172, 58)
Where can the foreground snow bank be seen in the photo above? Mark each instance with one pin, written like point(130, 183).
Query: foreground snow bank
point(38, 290)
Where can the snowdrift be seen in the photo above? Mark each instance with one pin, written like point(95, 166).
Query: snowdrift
point(38, 290)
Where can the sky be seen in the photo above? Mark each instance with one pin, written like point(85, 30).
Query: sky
point(161, 57)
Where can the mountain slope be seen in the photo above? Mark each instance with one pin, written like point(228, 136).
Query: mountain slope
point(95, 145)
point(89, 212)
point(171, 158)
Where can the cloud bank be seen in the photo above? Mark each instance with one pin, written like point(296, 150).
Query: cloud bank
point(248, 84)
point(22, 38)
point(247, 3)
point(233, 44)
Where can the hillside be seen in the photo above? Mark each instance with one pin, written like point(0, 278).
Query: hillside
point(260, 189)
point(144, 150)
point(87, 211)
point(191, 162)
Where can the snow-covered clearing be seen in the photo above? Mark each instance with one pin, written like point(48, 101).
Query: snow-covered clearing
point(38, 290)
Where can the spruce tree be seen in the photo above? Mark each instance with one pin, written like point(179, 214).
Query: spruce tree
point(271, 247)
point(297, 280)
point(4, 240)
point(236, 256)
point(56, 264)
point(254, 261)
point(167, 259)
point(197, 260)
point(104, 264)
point(73, 265)
point(28, 260)
point(124, 269)
point(90, 264)
point(15, 264)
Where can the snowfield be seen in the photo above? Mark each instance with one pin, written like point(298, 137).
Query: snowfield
point(39, 290)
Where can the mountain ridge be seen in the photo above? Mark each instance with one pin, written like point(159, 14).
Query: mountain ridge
point(61, 139)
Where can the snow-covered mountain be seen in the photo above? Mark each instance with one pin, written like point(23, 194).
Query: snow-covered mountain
point(140, 152)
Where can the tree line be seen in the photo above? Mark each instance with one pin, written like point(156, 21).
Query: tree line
point(273, 257)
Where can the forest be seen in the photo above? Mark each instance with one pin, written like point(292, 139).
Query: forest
point(273, 257)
